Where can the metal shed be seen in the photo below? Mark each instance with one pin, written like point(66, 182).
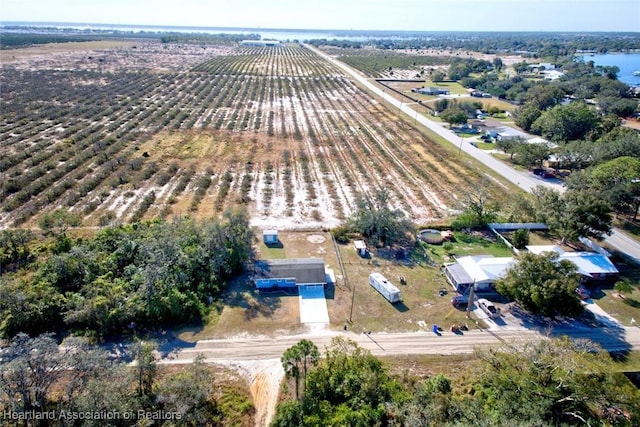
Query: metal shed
point(270, 237)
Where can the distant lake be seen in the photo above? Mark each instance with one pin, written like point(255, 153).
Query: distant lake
point(627, 62)
point(265, 33)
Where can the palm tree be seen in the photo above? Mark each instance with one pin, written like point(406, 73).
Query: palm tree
point(301, 355)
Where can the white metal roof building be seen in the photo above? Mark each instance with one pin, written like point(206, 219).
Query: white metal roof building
point(589, 264)
point(482, 271)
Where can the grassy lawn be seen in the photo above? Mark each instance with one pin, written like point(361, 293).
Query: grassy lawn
point(422, 305)
point(630, 362)
point(485, 145)
point(495, 102)
point(454, 87)
point(467, 134)
point(623, 309)
point(467, 244)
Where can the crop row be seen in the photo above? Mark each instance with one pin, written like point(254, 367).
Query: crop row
point(306, 136)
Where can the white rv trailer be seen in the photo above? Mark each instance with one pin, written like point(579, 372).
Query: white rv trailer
point(385, 287)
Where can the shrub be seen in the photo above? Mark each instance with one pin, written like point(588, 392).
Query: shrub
point(521, 238)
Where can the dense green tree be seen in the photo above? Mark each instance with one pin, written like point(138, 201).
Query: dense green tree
point(29, 307)
point(608, 71)
point(454, 115)
point(550, 382)
point(564, 123)
point(576, 155)
point(438, 77)
point(378, 222)
point(441, 104)
point(621, 107)
point(574, 214)
point(617, 143)
point(470, 108)
point(497, 63)
point(459, 69)
point(146, 274)
point(532, 154)
point(349, 387)
point(544, 96)
point(510, 146)
point(547, 382)
point(521, 238)
point(542, 284)
point(58, 221)
point(527, 115)
point(618, 182)
point(15, 251)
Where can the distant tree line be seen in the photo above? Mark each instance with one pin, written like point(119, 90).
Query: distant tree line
point(19, 36)
point(19, 40)
point(531, 44)
point(199, 38)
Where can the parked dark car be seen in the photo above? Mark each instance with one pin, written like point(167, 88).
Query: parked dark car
point(538, 171)
point(460, 301)
point(547, 174)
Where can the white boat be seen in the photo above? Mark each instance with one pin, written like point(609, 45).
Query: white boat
point(636, 73)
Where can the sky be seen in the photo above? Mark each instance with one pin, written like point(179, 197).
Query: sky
point(415, 15)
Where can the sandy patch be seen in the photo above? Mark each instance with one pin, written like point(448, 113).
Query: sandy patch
point(316, 238)
point(264, 378)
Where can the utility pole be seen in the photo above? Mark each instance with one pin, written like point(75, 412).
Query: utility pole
point(471, 297)
point(353, 297)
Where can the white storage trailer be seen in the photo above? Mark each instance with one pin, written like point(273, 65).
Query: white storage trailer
point(385, 287)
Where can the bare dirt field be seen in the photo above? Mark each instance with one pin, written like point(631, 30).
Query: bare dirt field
point(142, 130)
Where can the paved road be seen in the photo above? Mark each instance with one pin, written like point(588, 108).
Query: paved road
point(618, 240)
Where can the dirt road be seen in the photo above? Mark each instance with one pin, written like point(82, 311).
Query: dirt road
point(389, 344)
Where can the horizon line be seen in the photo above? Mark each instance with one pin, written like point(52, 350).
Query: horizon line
point(68, 23)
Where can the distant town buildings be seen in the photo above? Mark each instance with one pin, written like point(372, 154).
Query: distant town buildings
point(274, 43)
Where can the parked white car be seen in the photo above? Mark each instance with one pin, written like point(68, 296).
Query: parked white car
point(488, 307)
